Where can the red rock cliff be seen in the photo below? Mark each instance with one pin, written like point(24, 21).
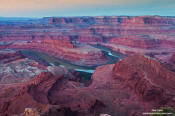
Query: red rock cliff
point(130, 87)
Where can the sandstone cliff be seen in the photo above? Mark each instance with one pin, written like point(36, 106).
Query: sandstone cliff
point(126, 34)
point(132, 86)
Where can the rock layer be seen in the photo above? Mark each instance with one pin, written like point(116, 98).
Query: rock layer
point(147, 78)
point(173, 58)
point(15, 68)
point(129, 87)
point(129, 35)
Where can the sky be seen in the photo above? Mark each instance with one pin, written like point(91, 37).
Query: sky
point(49, 8)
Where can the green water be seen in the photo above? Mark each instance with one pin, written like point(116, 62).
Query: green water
point(49, 60)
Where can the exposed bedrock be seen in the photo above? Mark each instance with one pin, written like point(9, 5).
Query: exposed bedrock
point(173, 58)
point(153, 20)
point(132, 86)
point(65, 50)
point(129, 87)
point(15, 68)
point(58, 35)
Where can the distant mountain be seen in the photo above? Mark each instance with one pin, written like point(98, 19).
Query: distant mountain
point(16, 18)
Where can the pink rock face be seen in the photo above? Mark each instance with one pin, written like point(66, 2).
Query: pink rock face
point(64, 37)
point(147, 77)
point(8, 55)
point(135, 42)
point(65, 50)
point(129, 87)
point(53, 43)
point(173, 58)
point(136, 81)
point(15, 68)
point(142, 20)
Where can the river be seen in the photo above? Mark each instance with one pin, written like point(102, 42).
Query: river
point(53, 61)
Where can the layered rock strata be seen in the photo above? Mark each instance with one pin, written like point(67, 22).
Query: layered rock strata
point(129, 87)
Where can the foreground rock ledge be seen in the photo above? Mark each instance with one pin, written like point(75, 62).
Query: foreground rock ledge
point(128, 88)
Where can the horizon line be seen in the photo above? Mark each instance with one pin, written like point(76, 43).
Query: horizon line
point(32, 17)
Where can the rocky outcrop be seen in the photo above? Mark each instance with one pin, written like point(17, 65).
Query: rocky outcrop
point(152, 20)
point(65, 50)
point(146, 77)
point(135, 42)
point(104, 115)
point(137, 83)
point(41, 94)
point(31, 112)
point(141, 32)
point(8, 55)
point(132, 86)
point(15, 68)
point(63, 37)
point(173, 58)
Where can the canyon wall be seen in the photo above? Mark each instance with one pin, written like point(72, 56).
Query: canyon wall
point(129, 87)
point(126, 34)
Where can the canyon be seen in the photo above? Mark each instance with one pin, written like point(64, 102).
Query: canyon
point(87, 66)
point(129, 87)
point(69, 38)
